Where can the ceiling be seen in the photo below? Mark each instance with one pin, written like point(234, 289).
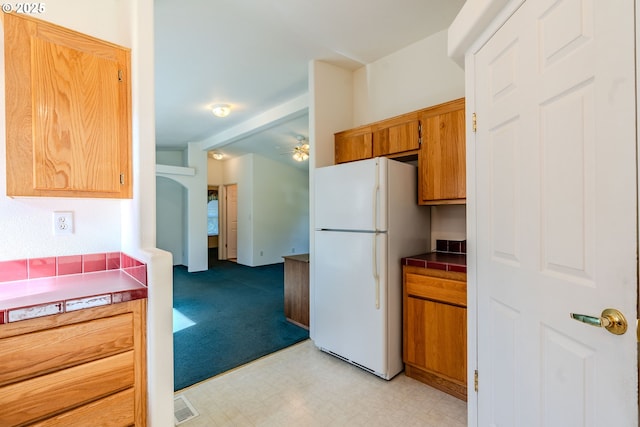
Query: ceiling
point(254, 55)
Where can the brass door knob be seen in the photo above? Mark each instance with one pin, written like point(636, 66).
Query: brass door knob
point(610, 319)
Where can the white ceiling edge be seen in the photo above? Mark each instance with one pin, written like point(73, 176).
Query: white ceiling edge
point(469, 24)
point(284, 112)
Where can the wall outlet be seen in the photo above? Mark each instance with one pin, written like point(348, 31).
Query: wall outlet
point(62, 223)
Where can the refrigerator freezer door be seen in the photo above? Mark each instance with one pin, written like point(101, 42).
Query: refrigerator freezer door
point(352, 196)
point(351, 310)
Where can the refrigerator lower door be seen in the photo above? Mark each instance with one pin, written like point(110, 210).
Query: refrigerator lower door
point(350, 301)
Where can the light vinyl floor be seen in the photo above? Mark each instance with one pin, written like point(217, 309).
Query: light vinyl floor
point(302, 386)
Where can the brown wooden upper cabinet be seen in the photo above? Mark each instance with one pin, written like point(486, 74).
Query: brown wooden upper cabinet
point(442, 157)
point(353, 144)
point(396, 136)
point(68, 112)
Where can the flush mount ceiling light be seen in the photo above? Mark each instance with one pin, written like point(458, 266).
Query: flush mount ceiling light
point(216, 155)
point(301, 151)
point(221, 110)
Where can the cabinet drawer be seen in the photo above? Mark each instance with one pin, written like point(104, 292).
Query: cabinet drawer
point(32, 354)
point(112, 411)
point(38, 397)
point(437, 289)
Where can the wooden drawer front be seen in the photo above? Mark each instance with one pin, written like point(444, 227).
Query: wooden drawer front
point(112, 411)
point(437, 289)
point(50, 394)
point(29, 355)
point(437, 339)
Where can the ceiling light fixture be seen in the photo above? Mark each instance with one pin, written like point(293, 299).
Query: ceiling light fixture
point(301, 151)
point(216, 155)
point(221, 110)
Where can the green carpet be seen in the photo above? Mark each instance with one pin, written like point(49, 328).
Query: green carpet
point(237, 314)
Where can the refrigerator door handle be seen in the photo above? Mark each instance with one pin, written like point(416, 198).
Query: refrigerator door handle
point(376, 197)
point(376, 276)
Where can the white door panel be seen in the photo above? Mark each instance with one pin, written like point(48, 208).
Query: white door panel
point(347, 321)
point(556, 215)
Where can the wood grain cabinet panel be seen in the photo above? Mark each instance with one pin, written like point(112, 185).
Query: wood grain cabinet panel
point(68, 112)
point(353, 145)
point(75, 368)
point(296, 289)
point(112, 411)
point(442, 157)
point(396, 136)
point(53, 393)
point(434, 329)
point(40, 352)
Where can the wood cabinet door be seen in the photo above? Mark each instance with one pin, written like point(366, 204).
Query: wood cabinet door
point(353, 146)
point(68, 112)
point(397, 138)
point(442, 158)
point(435, 338)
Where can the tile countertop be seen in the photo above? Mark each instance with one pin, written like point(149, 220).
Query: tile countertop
point(42, 296)
point(438, 261)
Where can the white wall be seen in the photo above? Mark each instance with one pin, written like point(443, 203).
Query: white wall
point(448, 222)
point(171, 209)
point(215, 170)
point(273, 215)
point(418, 76)
point(171, 204)
point(170, 157)
point(108, 225)
point(280, 211)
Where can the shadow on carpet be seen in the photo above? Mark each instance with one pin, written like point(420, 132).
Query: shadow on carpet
point(237, 314)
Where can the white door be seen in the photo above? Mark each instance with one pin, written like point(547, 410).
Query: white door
point(350, 305)
point(232, 221)
point(556, 215)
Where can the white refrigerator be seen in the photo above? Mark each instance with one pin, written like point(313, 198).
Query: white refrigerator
point(366, 219)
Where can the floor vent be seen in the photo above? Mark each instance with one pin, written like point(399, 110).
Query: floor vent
point(183, 410)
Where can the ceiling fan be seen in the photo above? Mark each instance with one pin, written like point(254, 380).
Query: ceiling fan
point(300, 152)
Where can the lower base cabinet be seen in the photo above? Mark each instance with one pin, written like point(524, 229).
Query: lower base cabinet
point(82, 368)
point(296, 289)
point(434, 328)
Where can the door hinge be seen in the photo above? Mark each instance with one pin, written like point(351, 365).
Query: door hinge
point(121, 179)
point(474, 122)
point(475, 380)
point(120, 76)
